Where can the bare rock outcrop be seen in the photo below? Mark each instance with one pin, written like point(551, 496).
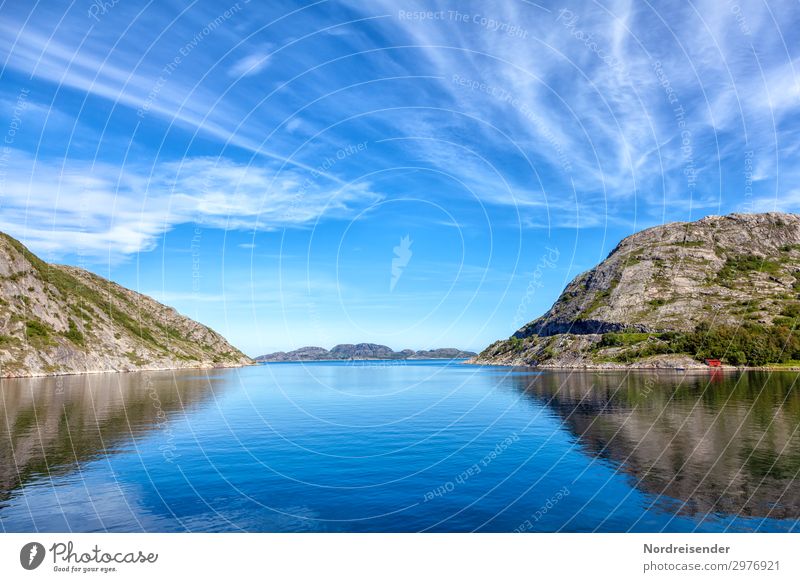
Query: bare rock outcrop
point(718, 271)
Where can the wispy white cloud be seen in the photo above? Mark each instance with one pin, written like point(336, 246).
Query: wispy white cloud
point(294, 124)
point(100, 209)
point(598, 76)
point(784, 202)
point(251, 64)
point(577, 101)
point(149, 89)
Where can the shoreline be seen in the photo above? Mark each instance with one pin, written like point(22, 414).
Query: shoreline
point(463, 361)
point(209, 367)
point(362, 360)
point(628, 368)
point(131, 371)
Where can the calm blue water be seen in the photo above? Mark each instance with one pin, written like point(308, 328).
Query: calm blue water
point(410, 446)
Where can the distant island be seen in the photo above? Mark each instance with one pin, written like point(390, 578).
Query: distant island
point(363, 351)
point(56, 319)
point(724, 290)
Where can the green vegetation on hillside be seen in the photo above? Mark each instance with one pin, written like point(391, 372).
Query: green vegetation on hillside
point(740, 273)
point(599, 300)
point(743, 264)
point(750, 344)
point(57, 318)
point(82, 296)
point(74, 334)
point(38, 333)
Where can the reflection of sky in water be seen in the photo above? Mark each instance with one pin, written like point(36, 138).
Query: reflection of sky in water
point(331, 447)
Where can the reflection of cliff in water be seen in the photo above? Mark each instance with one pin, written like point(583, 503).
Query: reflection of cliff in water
point(48, 426)
point(721, 444)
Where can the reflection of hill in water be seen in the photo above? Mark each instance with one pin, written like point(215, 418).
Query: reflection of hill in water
point(722, 444)
point(50, 425)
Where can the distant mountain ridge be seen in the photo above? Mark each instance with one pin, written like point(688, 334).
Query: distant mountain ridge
point(56, 319)
point(363, 351)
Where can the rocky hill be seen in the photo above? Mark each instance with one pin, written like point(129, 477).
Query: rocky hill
point(363, 351)
point(721, 287)
point(56, 319)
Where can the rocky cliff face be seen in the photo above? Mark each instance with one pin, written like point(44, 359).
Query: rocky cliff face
point(56, 319)
point(362, 351)
point(721, 271)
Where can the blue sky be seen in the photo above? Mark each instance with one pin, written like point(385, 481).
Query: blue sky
point(259, 165)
